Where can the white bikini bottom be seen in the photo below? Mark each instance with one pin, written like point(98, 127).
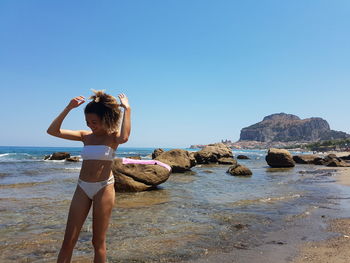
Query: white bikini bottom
point(91, 188)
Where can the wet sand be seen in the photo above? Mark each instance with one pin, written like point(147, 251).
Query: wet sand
point(336, 249)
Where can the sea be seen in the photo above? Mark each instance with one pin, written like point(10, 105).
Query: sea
point(202, 212)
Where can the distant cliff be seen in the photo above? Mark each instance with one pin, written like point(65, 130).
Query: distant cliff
point(284, 127)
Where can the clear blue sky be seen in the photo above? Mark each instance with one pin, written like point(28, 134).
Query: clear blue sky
point(195, 71)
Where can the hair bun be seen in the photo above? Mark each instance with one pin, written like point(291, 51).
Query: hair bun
point(99, 95)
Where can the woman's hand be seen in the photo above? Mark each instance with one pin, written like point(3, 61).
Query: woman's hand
point(124, 102)
point(76, 102)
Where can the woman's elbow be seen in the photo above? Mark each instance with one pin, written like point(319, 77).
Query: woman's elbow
point(51, 132)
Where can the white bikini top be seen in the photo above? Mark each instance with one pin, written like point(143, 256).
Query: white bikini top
point(97, 152)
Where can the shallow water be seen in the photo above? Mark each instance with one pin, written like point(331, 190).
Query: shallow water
point(190, 215)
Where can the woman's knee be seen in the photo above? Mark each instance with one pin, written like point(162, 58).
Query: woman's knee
point(99, 243)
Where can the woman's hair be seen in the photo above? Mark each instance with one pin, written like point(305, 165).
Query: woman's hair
point(107, 108)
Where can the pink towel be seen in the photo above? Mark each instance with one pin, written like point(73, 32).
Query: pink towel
point(127, 160)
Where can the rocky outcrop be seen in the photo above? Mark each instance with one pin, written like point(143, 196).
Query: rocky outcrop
point(283, 127)
point(212, 153)
point(305, 159)
point(330, 160)
point(179, 160)
point(57, 156)
point(279, 158)
point(239, 170)
point(242, 157)
point(135, 177)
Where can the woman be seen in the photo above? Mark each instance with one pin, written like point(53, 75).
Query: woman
point(96, 182)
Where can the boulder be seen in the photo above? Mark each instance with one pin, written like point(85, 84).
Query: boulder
point(319, 161)
point(59, 156)
point(305, 158)
point(138, 177)
point(239, 170)
point(279, 158)
point(157, 152)
point(212, 153)
point(73, 159)
point(337, 162)
point(242, 157)
point(226, 160)
point(179, 160)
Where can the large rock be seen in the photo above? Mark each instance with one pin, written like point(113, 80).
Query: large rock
point(59, 156)
point(157, 152)
point(305, 158)
point(212, 153)
point(279, 158)
point(239, 170)
point(138, 177)
point(179, 160)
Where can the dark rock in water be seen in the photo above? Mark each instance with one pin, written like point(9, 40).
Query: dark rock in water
point(287, 127)
point(212, 153)
point(345, 157)
point(138, 177)
point(179, 160)
point(242, 157)
point(207, 171)
point(337, 162)
point(73, 159)
point(279, 158)
point(331, 156)
point(59, 156)
point(134, 157)
point(157, 152)
point(305, 159)
point(319, 161)
point(239, 170)
point(226, 160)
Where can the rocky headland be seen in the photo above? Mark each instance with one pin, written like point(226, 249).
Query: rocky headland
point(283, 130)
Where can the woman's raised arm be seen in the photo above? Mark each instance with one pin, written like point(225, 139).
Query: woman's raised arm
point(55, 127)
point(123, 137)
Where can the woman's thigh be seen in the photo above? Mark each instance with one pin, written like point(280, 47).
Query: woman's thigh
point(102, 210)
point(78, 212)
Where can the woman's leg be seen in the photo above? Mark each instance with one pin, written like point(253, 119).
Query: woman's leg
point(102, 209)
point(78, 211)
